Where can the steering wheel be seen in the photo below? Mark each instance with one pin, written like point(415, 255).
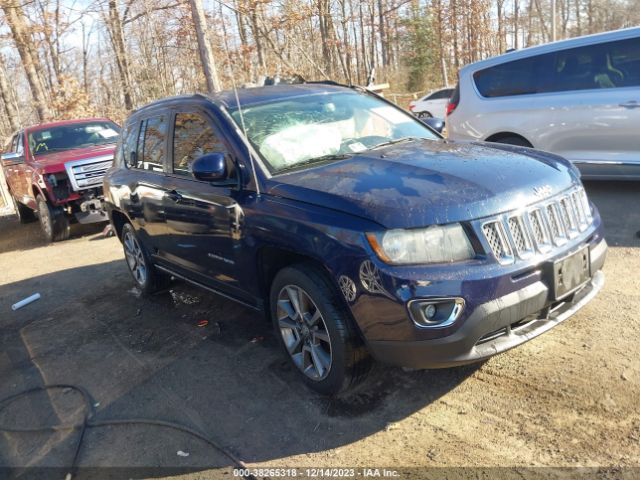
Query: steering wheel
point(40, 145)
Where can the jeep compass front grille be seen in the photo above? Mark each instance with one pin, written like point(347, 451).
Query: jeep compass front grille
point(539, 227)
point(89, 172)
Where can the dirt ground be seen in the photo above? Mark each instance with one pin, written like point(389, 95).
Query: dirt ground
point(568, 398)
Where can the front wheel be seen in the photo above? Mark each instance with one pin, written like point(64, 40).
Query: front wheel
point(316, 331)
point(53, 221)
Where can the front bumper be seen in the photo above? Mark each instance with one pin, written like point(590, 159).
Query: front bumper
point(495, 326)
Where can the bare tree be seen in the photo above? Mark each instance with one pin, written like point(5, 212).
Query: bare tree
point(30, 61)
point(204, 47)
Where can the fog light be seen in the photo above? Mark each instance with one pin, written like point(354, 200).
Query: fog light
point(430, 311)
point(435, 312)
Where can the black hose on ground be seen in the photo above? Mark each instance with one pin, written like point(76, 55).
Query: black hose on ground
point(87, 422)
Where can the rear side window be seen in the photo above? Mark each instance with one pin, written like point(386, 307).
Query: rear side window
point(152, 143)
point(607, 65)
point(519, 77)
point(193, 137)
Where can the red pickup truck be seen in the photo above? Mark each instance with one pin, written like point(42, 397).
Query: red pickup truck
point(54, 171)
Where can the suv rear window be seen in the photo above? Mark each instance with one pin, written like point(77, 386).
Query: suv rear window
point(608, 65)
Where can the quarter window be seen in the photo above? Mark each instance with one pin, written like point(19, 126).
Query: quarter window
point(154, 140)
point(130, 144)
point(193, 137)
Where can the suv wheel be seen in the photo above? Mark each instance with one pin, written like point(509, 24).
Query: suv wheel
point(24, 213)
point(53, 221)
point(316, 330)
point(147, 278)
point(514, 140)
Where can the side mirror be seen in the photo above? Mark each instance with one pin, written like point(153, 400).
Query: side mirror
point(210, 167)
point(12, 158)
point(436, 123)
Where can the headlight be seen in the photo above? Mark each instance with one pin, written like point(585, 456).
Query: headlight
point(437, 244)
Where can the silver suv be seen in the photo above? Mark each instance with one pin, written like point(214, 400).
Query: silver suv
point(579, 98)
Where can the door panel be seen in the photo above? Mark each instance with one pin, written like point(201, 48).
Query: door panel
point(202, 221)
point(596, 126)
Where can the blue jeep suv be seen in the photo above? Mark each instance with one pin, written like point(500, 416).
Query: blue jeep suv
point(357, 229)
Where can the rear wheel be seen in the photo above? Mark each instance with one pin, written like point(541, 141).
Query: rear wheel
point(424, 115)
point(53, 221)
point(513, 140)
point(24, 213)
point(316, 331)
point(147, 278)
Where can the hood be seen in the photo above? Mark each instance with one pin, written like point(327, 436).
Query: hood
point(54, 161)
point(426, 182)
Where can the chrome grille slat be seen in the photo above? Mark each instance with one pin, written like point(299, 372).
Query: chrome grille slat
point(494, 232)
point(89, 172)
point(538, 228)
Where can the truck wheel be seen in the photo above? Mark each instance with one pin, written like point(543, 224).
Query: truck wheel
point(24, 213)
point(53, 221)
point(147, 278)
point(316, 330)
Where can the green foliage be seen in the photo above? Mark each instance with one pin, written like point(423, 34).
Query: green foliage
point(420, 53)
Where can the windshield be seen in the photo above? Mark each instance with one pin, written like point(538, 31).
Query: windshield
point(294, 132)
point(75, 135)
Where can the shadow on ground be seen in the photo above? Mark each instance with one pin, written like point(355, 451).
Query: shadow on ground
point(30, 235)
point(146, 357)
point(618, 205)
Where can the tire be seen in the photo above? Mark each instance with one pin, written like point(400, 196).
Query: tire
point(327, 352)
point(53, 221)
point(424, 115)
point(513, 140)
point(147, 278)
point(24, 213)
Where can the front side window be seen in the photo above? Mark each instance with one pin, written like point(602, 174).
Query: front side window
point(297, 131)
point(193, 137)
point(152, 144)
point(20, 145)
point(75, 135)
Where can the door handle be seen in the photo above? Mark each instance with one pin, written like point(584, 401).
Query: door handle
point(631, 104)
point(173, 196)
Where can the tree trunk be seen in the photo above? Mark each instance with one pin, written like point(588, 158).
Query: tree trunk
point(30, 61)
point(114, 25)
point(7, 99)
point(383, 36)
point(204, 47)
point(516, 23)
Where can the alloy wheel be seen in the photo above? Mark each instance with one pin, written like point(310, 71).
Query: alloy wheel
point(304, 332)
point(135, 258)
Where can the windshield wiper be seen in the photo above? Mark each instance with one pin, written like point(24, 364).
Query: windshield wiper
point(322, 159)
point(391, 142)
